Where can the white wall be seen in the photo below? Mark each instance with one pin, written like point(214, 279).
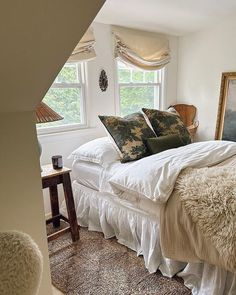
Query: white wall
point(99, 102)
point(170, 91)
point(203, 57)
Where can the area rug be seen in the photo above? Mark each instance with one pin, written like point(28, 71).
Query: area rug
point(95, 266)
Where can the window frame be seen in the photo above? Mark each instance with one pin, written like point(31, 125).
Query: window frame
point(82, 85)
point(157, 101)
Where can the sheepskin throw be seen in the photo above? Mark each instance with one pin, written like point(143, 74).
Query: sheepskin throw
point(20, 264)
point(209, 196)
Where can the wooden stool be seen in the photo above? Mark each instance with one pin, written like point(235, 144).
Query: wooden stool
point(50, 179)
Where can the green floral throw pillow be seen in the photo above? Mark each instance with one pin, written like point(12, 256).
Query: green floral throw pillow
point(165, 123)
point(129, 134)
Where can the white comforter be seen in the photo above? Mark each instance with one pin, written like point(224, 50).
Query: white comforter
point(154, 177)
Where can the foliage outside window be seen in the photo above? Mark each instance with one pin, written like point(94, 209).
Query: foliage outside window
point(137, 89)
point(66, 96)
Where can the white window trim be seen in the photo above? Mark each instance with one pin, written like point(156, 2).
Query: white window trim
point(84, 115)
point(161, 85)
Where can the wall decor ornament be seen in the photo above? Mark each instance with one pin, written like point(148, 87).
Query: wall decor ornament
point(103, 81)
point(226, 119)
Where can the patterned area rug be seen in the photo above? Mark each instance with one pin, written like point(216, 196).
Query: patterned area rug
point(95, 266)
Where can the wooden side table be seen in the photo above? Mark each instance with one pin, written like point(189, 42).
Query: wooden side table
point(50, 179)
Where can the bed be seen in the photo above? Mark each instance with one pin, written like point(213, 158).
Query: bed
point(127, 201)
point(166, 198)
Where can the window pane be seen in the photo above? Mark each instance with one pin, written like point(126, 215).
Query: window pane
point(150, 77)
point(68, 74)
point(137, 76)
point(133, 99)
point(66, 102)
point(124, 76)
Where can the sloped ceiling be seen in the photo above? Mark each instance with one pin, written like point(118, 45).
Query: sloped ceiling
point(175, 17)
point(36, 38)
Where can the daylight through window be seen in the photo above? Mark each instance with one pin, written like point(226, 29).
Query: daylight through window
point(138, 89)
point(66, 96)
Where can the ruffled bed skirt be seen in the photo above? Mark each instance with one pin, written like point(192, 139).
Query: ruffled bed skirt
point(139, 231)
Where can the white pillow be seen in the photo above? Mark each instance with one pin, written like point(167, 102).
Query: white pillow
point(100, 151)
point(172, 110)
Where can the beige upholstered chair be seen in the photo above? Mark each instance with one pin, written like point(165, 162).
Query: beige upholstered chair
point(20, 264)
point(187, 114)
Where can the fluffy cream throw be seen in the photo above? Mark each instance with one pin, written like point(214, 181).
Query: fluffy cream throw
point(21, 264)
point(209, 196)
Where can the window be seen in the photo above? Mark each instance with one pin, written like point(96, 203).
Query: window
point(138, 89)
point(66, 97)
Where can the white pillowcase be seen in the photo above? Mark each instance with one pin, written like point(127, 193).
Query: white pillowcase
point(100, 151)
point(173, 111)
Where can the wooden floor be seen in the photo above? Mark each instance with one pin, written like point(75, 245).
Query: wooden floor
point(56, 291)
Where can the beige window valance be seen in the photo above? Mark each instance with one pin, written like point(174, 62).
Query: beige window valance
point(84, 50)
point(146, 50)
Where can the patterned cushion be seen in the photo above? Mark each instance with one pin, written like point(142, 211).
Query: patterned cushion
point(129, 134)
point(165, 123)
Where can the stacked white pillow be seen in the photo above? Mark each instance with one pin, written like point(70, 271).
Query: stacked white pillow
point(100, 151)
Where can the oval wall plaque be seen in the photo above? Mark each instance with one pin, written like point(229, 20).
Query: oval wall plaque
point(103, 81)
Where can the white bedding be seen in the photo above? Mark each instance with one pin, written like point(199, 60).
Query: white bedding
point(87, 174)
point(94, 175)
point(154, 177)
point(99, 151)
point(134, 228)
point(136, 225)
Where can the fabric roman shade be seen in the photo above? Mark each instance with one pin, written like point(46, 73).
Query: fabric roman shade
point(84, 50)
point(146, 50)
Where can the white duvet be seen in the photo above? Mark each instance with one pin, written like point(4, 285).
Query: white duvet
point(154, 177)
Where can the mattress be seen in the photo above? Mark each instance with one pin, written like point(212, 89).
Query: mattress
point(87, 174)
point(95, 176)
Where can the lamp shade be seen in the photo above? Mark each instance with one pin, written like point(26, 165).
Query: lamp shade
point(45, 114)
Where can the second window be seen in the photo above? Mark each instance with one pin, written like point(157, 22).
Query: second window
point(138, 89)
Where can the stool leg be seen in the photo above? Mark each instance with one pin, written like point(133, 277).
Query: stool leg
point(54, 205)
point(70, 207)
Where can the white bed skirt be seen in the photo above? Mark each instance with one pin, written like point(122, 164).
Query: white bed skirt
point(140, 232)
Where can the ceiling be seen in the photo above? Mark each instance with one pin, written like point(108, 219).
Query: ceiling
point(176, 17)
